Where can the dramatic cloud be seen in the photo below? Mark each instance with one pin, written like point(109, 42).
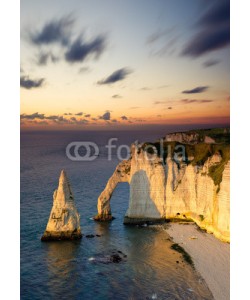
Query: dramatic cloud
point(57, 31)
point(170, 107)
point(124, 118)
point(36, 118)
point(87, 115)
point(210, 63)
point(32, 116)
point(27, 83)
point(197, 90)
point(214, 33)
point(79, 114)
point(75, 49)
point(53, 117)
point(116, 76)
point(105, 116)
point(188, 101)
point(68, 114)
point(117, 96)
point(81, 50)
point(44, 57)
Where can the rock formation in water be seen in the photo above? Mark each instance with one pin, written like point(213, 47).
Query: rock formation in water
point(64, 220)
point(194, 187)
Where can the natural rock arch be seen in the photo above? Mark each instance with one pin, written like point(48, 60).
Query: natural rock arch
point(121, 174)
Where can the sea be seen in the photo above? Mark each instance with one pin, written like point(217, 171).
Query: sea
point(150, 269)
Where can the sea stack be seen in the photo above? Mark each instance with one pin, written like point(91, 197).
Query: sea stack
point(64, 220)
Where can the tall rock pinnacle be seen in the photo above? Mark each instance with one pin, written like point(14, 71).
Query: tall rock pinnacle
point(64, 220)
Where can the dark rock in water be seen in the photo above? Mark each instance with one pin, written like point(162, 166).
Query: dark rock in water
point(98, 235)
point(89, 236)
point(115, 258)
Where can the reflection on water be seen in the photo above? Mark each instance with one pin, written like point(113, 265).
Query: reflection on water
point(150, 268)
point(62, 270)
point(62, 267)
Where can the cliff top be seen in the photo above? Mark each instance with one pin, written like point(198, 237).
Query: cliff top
point(209, 136)
point(197, 149)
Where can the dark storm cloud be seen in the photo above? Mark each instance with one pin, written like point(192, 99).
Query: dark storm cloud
point(79, 114)
point(56, 31)
point(197, 90)
point(67, 114)
point(189, 101)
point(210, 63)
point(118, 75)
point(87, 115)
point(106, 116)
point(214, 33)
point(27, 83)
point(124, 118)
point(79, 50)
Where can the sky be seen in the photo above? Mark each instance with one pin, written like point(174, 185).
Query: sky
point(124, 64)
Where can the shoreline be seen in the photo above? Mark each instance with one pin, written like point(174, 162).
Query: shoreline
point(211, 256)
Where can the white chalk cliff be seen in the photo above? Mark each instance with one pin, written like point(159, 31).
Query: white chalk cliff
point(160, 189)
point(64, 220)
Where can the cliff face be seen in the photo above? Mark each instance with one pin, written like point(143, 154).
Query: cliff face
point(64, 219)
point(163, 188)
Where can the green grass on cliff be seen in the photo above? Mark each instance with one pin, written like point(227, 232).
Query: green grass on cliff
point(197, 154)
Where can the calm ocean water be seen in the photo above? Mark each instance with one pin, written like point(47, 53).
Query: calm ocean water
point(65, 270)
